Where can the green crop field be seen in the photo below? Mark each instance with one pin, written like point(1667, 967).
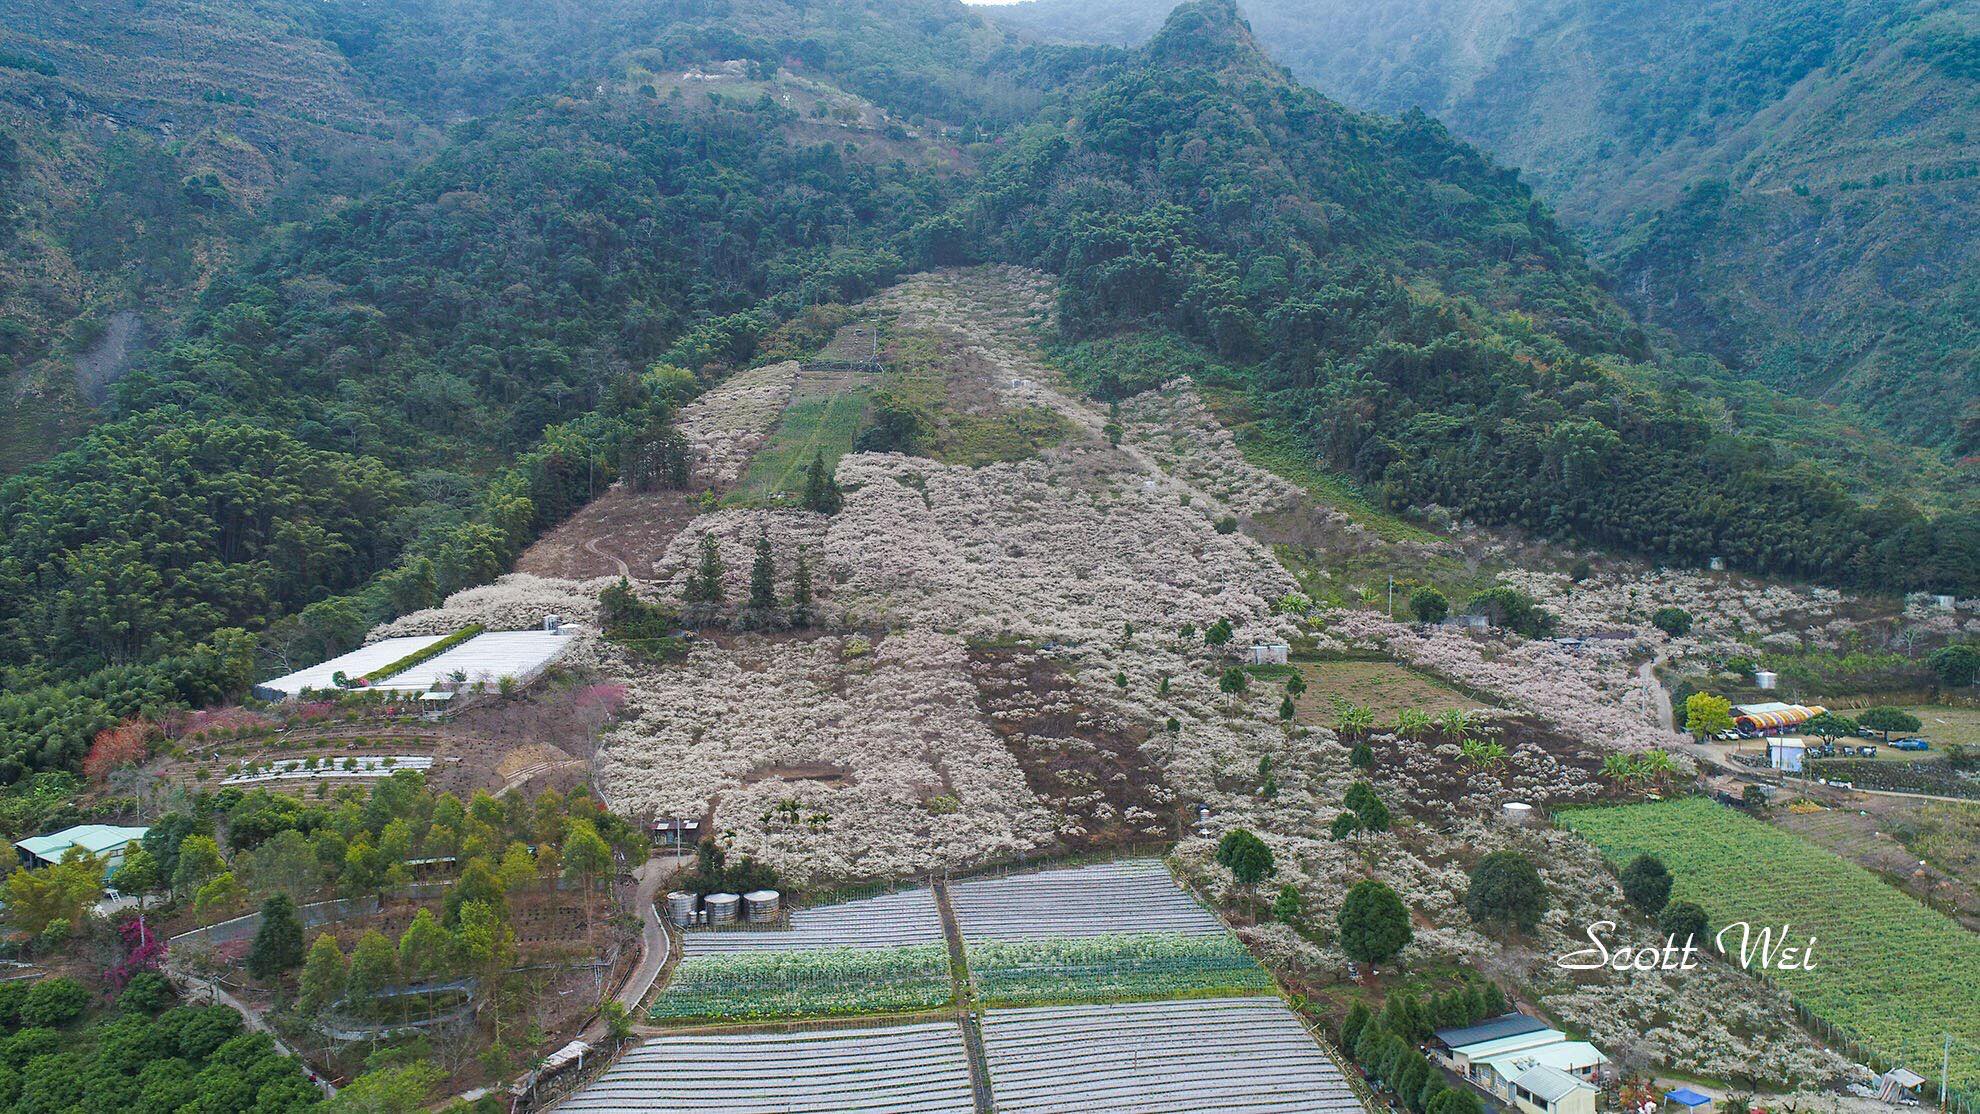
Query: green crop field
point(1128, 967)
point(750, 986)
point(1886, 969)
point(812, 427)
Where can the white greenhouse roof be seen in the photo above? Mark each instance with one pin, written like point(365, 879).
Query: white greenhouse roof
point(355, 664)
point(483, 660)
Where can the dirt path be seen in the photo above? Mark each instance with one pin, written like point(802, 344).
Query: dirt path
point(968, 1014)
point(591, 547)
point(655, 945)
point(1658, 696)
point(252, 1018)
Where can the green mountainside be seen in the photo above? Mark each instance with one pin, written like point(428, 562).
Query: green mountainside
point(382, 403)
point(1789, 186)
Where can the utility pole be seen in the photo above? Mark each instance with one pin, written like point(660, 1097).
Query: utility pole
point(1945, 1071)
point(1392, 596)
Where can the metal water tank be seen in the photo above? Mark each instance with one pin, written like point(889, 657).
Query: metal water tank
point(721, 908)
point(760, 905)
point(1517, 812)
point(680, 908)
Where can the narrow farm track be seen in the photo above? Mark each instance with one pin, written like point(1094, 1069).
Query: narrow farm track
point(525, 775)
point(968, 1014)
point(254, 1021)
point(591, 547)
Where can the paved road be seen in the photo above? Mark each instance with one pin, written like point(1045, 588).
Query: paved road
point(655, 946)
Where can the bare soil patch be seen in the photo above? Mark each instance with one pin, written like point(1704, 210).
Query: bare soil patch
point(621, 525)
point(1387, 687)
point(1084, 763)
point(819, 773)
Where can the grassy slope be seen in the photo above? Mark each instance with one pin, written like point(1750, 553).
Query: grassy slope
point(1886, 967)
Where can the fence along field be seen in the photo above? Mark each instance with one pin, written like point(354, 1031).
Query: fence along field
point(1248, 1054)
point(1890, 973)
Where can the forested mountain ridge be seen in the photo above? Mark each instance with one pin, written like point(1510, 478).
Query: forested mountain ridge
point(1789, 186)
point(1411, 309)
point(141, 147)
point(387, 401)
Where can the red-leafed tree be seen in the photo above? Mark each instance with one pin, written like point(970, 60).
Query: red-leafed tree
point(126, 744)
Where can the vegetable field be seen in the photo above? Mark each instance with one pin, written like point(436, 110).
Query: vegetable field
point(1128, 967)
point(757, 985)
point(1888, 971)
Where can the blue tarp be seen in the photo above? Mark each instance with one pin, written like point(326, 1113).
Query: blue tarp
point(1685, 1096)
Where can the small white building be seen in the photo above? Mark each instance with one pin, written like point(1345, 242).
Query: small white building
point(1787, 755)
point(1522, 1061)
point(1459, 1048)
point(1544, 1090)
point(1269, 653)
point(1765, 679)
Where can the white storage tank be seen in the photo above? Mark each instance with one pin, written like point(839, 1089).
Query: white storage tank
point(1517, 812)
point(1765, 679)
point(680, 908)
point(760, 905)
point(721, 908)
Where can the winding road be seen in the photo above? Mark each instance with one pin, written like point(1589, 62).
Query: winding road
point(591, 547)
point(655, 945)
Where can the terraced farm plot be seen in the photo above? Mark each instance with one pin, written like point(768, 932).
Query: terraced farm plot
point(1886, 969)
point(1387, 687)
point(892, 920)
point(906, 1069)
point(1245, 1054)
point(1106, 899)
point(1145, 965)
point(768, 984)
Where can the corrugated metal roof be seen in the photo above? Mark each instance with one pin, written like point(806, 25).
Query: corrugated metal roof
point(1564, 1055)
point(93, 838)
point(1550, 1084)
point(1504, 1025)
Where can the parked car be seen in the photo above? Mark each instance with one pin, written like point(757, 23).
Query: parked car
point(1911, 744)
